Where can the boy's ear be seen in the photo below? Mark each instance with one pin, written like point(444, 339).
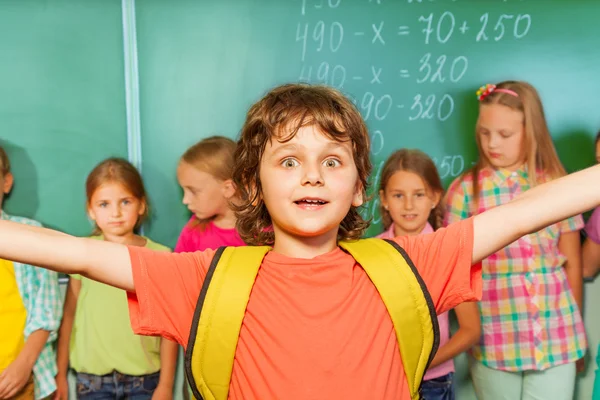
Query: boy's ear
point(358, 198)
point(9, 179)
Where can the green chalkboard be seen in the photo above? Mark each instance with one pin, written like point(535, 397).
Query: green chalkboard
point(412, 67)
point(62, 103)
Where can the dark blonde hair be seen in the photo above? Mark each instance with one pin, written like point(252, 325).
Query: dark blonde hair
point(213, 155)
point(540, 154)
point(4, 162)
point(295, 106)
point(121, 171)
point(419, 163)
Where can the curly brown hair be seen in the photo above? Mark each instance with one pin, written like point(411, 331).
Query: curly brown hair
point(417, 162)
point(295, 106)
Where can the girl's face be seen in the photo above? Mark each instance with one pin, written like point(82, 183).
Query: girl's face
point(501, 132)
point(409, 202)
point(204, 195)
point(115, 209)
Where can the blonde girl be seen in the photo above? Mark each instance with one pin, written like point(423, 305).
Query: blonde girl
point(205, 175)
point(532, 327)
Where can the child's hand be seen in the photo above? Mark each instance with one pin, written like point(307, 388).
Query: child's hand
point(162, 392)
point(580, 365)
point(14, 378)
point(62, 387)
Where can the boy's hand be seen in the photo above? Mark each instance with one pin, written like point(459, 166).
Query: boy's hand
point(62, 387)
point(162, 392)
point(14, 378)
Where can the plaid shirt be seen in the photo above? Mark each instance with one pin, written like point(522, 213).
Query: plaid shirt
point(529, 317)
point(42, 299)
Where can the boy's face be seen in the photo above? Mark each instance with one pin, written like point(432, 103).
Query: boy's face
point(308, 185)
point(6, 182)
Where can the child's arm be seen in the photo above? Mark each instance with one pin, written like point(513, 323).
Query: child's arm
point(16, 375)
point(43, 303)
point(590, 258)
point(96, 259)
point(64, 339)
point(591, 246)
point(168, 364)
point(467, 335)
point(534, 209)
point(569, 244)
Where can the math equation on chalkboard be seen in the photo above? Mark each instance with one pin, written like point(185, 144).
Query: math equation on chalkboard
point(401, 62)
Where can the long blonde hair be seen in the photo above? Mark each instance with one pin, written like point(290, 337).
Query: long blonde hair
point(540, 154)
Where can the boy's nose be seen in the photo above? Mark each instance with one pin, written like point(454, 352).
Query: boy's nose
point(312, 176)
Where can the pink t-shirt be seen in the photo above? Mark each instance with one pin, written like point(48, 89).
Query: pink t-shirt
point(592, 227)
point(192, 238)
point(448, 366)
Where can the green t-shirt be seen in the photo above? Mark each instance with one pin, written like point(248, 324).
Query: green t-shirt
point(102, 340)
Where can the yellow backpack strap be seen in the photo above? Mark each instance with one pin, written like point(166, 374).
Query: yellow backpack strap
point(218, 319)
point(407, 300)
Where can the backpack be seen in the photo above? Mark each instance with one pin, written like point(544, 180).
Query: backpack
point(226, 290)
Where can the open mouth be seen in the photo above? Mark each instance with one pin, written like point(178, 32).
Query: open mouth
point(311, 203)
point(409, 217)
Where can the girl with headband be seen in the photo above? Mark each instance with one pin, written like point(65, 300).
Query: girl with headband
point(532, 330)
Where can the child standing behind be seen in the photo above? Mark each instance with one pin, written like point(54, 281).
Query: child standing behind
point(95, 336)
point(410, 192)
point(205, 175)
point(532, 289)
point(30, 310)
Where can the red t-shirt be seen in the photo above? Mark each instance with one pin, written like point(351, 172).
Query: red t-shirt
point(314, 328)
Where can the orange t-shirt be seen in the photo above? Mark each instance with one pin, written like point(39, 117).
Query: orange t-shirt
point(314, 328)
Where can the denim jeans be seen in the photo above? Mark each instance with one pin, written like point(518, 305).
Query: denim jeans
point(116, 386)
point(441, 388)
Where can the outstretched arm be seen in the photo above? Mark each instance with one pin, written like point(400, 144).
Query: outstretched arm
point(534, 209)
point(99, 260)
